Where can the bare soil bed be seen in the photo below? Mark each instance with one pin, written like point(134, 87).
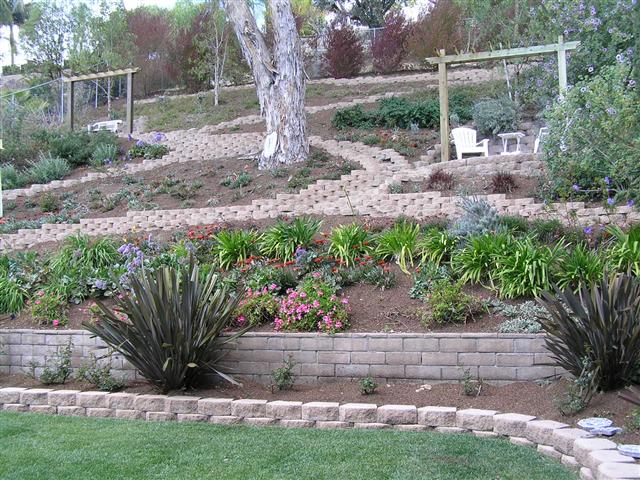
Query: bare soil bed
point(532, 398)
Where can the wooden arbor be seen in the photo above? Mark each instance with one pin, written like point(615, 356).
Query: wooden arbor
point(442, 60)
point(129, 72)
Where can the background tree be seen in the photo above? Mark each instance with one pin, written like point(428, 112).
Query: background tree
point(369, 13)
point(12, 13)
point(279, 78)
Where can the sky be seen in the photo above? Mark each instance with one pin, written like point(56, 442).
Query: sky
point(130, 4)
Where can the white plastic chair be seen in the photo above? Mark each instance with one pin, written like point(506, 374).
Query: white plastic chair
point(111, 125)
point(465, 141)
point(544, 131)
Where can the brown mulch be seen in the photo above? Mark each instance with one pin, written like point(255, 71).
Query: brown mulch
point(529, 398)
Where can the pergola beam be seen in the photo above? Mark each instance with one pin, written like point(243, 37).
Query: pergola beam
point(442, 60)
point(100, 75)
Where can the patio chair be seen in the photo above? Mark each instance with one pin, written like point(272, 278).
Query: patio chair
point(111, 125)
point(465, 141)
point(544, 131)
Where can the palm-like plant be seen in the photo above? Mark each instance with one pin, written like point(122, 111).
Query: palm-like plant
point(168, 325)
point(598, 327)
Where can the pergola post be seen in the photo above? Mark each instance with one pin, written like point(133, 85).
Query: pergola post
point(562, 64)
point(130, 103)
point(70, 102)
point(444, 108)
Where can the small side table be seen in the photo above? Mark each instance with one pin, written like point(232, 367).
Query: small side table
point(505, 137)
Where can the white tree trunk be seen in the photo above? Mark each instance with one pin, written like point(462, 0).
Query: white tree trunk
point(279, 78)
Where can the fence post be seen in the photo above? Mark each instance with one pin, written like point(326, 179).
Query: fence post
point(444, 108)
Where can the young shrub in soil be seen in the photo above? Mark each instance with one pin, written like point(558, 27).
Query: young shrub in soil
point(503, 182)
point(478, 218)
point(57, 370)
point(234, 246)
point(281, 240)
point(353, 117)
point(99, 375)
point(368, 386)
point(49, 307)
point(596, 330)
point(440, 180)
point(399, 243)
point(283, 377)
point(426, 277)
point(447, 303)
point(523, 318)
point(169, 325)
point(389, 46)
point(345, 53)
point(313, 306)
point(49, 203)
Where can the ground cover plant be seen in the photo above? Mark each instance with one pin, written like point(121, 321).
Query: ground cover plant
point(194, 450)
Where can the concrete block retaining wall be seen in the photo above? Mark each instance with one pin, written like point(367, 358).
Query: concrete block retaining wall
point(388, 357)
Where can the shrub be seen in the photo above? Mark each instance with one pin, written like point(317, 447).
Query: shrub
point(581, 267)
point(515, 224)
point(440, 180)
point(11, 177)
point(283, 376)
point(623, 253)
point(234, 246)
point(49, 308)
point(368, 386)
point(58, 370)
point(389, 46)
point(47, 169)
point(262, 274)
point(104, 153)
point(257, 306)
point(148, 150)
point(437, 246)
point(547, 231)
point(77, 147)
point(426, 278)
point(597, 330)
point(168, 325)
point(401, 113)
point(399, 243)
point(528, 269)
point(439, 27)
point(49, 203)
point(237, 180)
point(503, 182)
point(349, 242)
point(594, 132)
point(353, 117)
point(478, 218)
point(523, 318)
point(13, 294)
point(476, 261)
point(282, 239)
point(313, 306)
point(495, 116)
point(449, 304)
point(345, 53)
point(99, 375)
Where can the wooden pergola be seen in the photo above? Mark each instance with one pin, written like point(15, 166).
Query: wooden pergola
point(442, 60)
point(129, 72)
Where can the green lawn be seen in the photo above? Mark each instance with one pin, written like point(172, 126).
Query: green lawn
point(50, 447)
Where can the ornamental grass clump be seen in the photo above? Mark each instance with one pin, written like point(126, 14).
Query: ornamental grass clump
point(168, 325)
point(282, 240)
point(595, 333)
point(313, 306)
point(399, 243)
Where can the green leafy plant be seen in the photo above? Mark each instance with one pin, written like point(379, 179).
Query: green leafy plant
point(449, 304)
point(478, 218)
point(282, 239)
point(237, 180)
point(470, 386)
point(623, 253)
point(49, 307)
point(523, 318)
point(427, 275)
point(11, 177)
point(368, 386)
point(581, 267)
point(99, 375)
point(58, 370)
point(547, 230)
point(169, 325)
point(437, 245)
point(283, 377)
point(49, 203)
point(234, 246)
point(257, 306)
point(399, 243)
point(47, 169)
point(495, 116)
point(348, 242)
point(13, 295)
point(528, 269)
point(104, 153)
point(598, 327)
point(476, 261)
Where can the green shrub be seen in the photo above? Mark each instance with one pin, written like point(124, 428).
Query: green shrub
point(78, 147)
point(282, 239)
point(581, 267)
point(257, 307)
point(368, 386)
point(399, 243)
point(397, 112)
point(601, 140)
point(495, 116)
point(437, 245)
point(234, 246)
point(49, 203)
point(528, 269)
point(523, 318)
point(623, 253)
point(49, 307)
point(349, 242)
point(13, 294)
point(47, 169)
point(597, 330)
point(104, 153)
point(449, 304)
point(173, 320)
point(478, 218)
point(547, 231)
point(58, 370)
point(426, 278)
point(515, 224)
point(283, 377)
point(237, 180)
point(353, 117)
point(262, 275)
point(476, 262)
point(11, 177)
point(99, 375)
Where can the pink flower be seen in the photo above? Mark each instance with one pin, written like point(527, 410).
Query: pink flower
point(303, 295)
point(37, 302)
point(241, 320)
point(41, 293)
point(56, 323)
point(345, 301)
point(273, 286)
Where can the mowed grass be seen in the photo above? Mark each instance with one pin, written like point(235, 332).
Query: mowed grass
point(49, 447)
